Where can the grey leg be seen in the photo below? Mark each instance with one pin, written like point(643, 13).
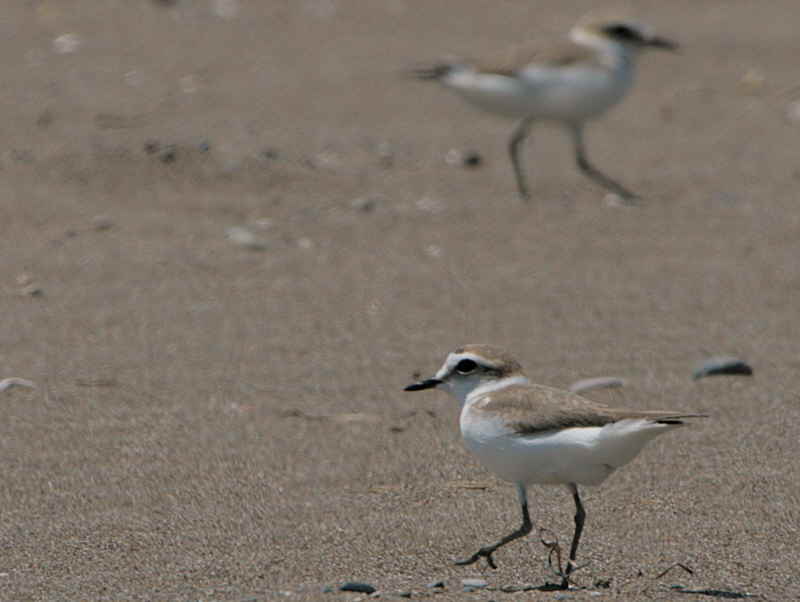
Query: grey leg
point(525, 528)
point(580, 515)
point(517, 137)
point(592, 172)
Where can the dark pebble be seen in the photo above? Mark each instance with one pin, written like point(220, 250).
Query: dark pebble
point(169, 154)
point(151, 147)
point(716, 366)
point(472, 159)
point(355, 586)
point(436, 584)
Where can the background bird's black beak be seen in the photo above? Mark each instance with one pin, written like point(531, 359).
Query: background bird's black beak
point(662, 43)
point(424, 384)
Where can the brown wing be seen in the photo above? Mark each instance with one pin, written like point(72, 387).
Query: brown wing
point(517, 58)
point(537, 408)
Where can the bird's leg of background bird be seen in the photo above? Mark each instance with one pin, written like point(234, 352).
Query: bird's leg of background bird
point(524, 529)
point(582, 160)
point(518, 136)
point(580, 515)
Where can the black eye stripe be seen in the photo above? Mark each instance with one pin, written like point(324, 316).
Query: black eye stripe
point(466, 366)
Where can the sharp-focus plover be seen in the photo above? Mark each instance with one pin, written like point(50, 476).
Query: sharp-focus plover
point(527, 433)
point(569, 85)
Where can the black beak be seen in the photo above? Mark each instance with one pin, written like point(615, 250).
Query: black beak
point(422, 385)
point(662, 44)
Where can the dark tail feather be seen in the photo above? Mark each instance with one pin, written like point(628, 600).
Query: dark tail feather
point(679, 418)
point(437, 71)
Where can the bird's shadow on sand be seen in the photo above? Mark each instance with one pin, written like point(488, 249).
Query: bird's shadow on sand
point(679, 589)
point(712, 593)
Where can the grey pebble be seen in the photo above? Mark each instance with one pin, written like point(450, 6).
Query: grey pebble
point(245, 238)
point(473, 584)
point(436, 584)
point(364, 204)
point(32, 290)
point(356, 586)
point(101, 223)
point(722, 365)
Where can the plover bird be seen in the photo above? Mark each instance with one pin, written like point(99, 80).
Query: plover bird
point(532, 434)
point(570, 85)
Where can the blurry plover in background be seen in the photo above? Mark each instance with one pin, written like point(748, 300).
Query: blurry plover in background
point(528, 433)
point(568, 84)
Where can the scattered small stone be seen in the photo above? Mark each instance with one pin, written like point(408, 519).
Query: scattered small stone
point(32, 290)
point(13, 381)
point(753, 79)
point(101, 223)
point(270, 154)
point(364, 204)
point(66, 43)
point(328, 589)
point(133, 78)
point(151, 147)
point(470, 585)
point(169, 154)
point(599, 382)
point(24, 279)
point(385, 155)
point(434, 251)
point(355, 586)
point(204, 146)
point(403, 594)
point(722, 365)
point(472, 159)
point(436, 585)
point(245, 238)
point(458, 158)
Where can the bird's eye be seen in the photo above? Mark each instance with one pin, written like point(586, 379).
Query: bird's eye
point(465, 366)
point(622, 32)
